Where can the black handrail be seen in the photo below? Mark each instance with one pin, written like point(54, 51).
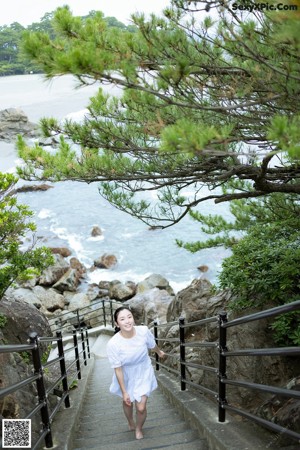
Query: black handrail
point(105, 308)
point(42, 406)
point(221, 370)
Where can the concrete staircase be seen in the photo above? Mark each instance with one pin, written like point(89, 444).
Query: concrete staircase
point(102, 423)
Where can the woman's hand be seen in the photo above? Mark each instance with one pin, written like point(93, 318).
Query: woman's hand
point(126, 398)
point(161, 354)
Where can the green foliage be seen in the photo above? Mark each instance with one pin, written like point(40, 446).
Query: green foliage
point(14, 61)
point(17, 264)
point(286, 133)
point(264, 265)
point(3, 321)
point(199, 106)
point(26, 357)
point(45, 355)
point(245, 213)
point(286, 329)
point(73, 385)
point(263, 270)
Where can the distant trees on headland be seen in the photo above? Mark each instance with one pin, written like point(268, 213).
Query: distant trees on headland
point(13, 61)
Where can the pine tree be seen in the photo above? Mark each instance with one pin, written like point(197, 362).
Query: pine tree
point(207, 98)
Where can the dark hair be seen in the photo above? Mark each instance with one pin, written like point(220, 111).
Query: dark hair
point(116, 313)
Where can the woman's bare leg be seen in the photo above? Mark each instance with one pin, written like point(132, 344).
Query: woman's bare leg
point(128, 411)
point(141, 414)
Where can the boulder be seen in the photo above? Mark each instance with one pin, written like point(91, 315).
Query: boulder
point(78, 266)
point(22, 319)
point(53, 273)
point(13, 121)
point(96, 231)
point(68, 282)
point(284, 411)
point(50, 299)
point(93, 291)
point(63, 251)
point(151, 305)
point(106, 261)
point(191, 302)
point(78, 301)
point(19, 319)
point(120, 291)
point(24, 295)
point(31, 188)
point(154, 281)
point(203, 268)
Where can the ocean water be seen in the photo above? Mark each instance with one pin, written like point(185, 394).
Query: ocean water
point(66, 214)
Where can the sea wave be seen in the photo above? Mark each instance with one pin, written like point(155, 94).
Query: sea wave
point(45, 213)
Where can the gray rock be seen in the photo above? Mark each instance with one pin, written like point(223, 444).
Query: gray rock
point(96, 231)
point(53, 273)
point(49, 298)
point(151, 305)
point(63, 251)
point(106, 261)
point(13, 121)
point(68, 282)
point(154, 281)
point(78, 301)
point(24, 295)
point(120, 291)
point(21, 320)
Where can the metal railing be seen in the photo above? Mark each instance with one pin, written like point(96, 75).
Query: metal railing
point(101, 313)
point(224, 356)
point(60, 387)
point(97, 313)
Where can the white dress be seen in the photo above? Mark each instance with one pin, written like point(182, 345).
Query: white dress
point(132, 355)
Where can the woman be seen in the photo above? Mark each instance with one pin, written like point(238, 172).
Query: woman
point(133, 378)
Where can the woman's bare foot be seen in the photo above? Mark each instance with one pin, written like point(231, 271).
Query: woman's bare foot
point(138, 434)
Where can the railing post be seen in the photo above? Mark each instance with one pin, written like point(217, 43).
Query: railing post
point(112, 314)
point(156, 341)
point(76, 354)
point(222, 365)
point(104, 316)
point(182, 353)
point(87, 343)
point(41, 390)
point(78, 319)
point(63, 371)
point(83, 346)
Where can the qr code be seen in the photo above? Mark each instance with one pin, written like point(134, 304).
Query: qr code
point(16, 433)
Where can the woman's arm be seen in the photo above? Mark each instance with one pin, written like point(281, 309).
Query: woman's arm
point(120, 378)
point(160, 353)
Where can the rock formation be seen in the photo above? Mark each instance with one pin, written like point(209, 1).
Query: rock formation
point(18, 320)
point(13, 121)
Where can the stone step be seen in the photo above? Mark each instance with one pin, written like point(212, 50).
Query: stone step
point(103, 426)
point(109, 422)
point(195, 444)
point(99, 416)
point(151, 429)
point(128, 441)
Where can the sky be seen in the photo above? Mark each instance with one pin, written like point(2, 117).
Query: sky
point(26, 12)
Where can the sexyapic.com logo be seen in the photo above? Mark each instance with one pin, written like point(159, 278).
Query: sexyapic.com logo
point(263, 7)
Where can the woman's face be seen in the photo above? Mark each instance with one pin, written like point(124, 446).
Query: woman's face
point(125, 320)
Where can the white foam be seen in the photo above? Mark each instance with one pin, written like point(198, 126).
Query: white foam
point(109, 275)
point(95, 238)
point(74, 240)
point(45, 213)
point(77, 116)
